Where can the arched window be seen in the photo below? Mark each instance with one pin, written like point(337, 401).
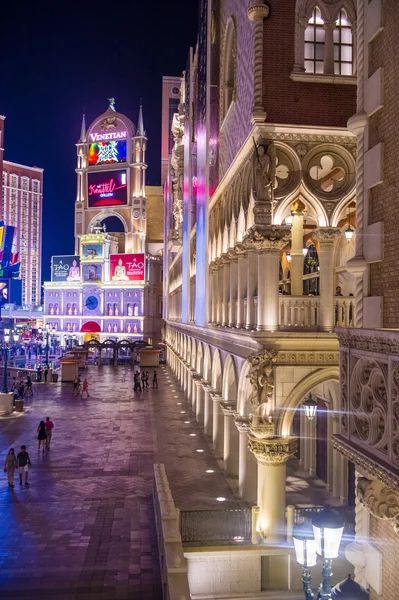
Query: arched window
point(343, 45)
point(135, 310)
point(314, 43)
point(229, 67)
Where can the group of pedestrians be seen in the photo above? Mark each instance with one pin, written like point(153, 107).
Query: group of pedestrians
point(80, 389)
point(44, 434)
point(142, 383)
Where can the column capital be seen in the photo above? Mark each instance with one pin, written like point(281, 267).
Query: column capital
point(326, 235)
point(228, 410)
point(242, 423)
point(273, 452)
point(267, 238)
point(329, 25)
point(224, 259)
point(232, 254)
point(258, 12)
point(216, 397)
point(240, 251)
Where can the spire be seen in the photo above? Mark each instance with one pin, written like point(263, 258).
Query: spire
point(140, 123)
point(83, 129)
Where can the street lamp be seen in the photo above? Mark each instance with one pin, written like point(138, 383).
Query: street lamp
point(310, 407)
point(325, 540)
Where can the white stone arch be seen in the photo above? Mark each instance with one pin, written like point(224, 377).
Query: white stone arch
point(200, 359)
point(104, 214)
point(193, 353)
point(217, 371)
point(244, 391)
point(207, 363)
point(188, 349)
point(315, 208)
point(229, 384)
point(340, 210)
point(225, 243)
point(241, 229)
point(298, 393)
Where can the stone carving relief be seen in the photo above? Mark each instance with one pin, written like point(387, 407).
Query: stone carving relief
point(265, 159)
point(344, 392)
point(380, 500)
point(395, 414)
point(369, 404)
point(329, 171)
point(177, 164)
point(261, 377)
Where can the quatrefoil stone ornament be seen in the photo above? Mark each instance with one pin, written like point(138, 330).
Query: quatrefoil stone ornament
point(282, 172)
point(326, 173)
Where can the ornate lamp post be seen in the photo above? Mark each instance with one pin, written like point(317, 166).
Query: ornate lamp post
point(328, 527)
point(310, 407)
point(5, 352)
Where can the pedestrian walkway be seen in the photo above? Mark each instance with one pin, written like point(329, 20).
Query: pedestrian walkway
point(84, 529)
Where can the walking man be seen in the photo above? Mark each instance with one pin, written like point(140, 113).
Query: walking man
point(155, 380)
point(24, 463)
point(49, 425)
point(45, 373)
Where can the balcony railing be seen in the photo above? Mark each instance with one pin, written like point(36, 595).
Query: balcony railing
point(299, 311)
point(216, 526)
point(305, 514)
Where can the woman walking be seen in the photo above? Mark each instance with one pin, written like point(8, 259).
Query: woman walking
point(41, 435)
point(10, 465)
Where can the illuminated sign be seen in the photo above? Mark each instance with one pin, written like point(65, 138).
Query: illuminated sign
point(127, 267)
point(107, 188)
point(92, 252)
point(65, 268)
point(114, 135)
point(105, 153)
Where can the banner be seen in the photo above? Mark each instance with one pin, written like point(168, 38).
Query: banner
point(65, 268)
point(127, 267)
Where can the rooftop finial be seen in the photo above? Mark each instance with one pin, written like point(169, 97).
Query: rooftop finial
point(111, 103)
point(83, 128)
point(140, 123)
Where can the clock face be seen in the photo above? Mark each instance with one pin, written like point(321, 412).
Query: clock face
point(91, 302)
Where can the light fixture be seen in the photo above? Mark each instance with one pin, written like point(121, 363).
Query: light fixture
point(182, 412)
point(304, 250)
point(349, 233)
point(16, 337)
point(310, 407)
point(6, 331)
point(199, 450)
point(288, 220)
point(209, 471)
point(193, 434)
point(288, 256)
point(328, 527)
point(305, 545)
point(6, 338)
point(221, 499)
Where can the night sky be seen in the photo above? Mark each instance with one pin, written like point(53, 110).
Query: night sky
point(59, 57)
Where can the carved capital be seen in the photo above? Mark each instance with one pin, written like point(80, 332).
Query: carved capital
point(268, 237)
point(326, 235)
point(240, 250)
point(273, 452)
point(380, 500)
point(228, 410)
point(258, 12)
point(242, 423)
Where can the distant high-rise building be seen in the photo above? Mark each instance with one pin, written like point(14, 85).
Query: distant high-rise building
point(22, 207)
point(170, 106)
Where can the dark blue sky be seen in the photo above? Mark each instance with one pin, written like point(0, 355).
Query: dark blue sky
point(59, 57)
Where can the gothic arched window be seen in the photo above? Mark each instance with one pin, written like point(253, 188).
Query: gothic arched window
point(314, 43)
point(343, 45)
point(229, 67)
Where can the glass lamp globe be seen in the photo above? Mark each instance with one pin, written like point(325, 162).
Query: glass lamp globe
point(328, 527)
point(6, 331)
point(304, 250)
point(305, 545)
point(349, 233)
point(289, 257)
point(310, 407)
point(6, 338)
point(16, 337)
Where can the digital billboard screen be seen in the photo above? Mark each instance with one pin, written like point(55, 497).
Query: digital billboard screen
point(127, 267)
point(92, 252)
point(107, 153)
point(10, 291)
point(107, 188)
point(92, 273)
point(65, 268)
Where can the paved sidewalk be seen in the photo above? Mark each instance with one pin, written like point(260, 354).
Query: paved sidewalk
point(84, 529)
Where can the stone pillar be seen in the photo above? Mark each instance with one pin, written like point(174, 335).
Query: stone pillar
point(214, 291)
point(297, 258)
point(208, 410)
point(299, 66)
point(210, 295)
point(242, 267)
point(326, 237)
point(230, 441)
point(268, 298)
point(233, 289)
point(257, 13)
point(218, 425)
point(272, 454)
point(199, 408)
point(226, 291)
point(194, 392)
point(219, 293)
point(247, 467)
point(329, 27)
point(252, 280)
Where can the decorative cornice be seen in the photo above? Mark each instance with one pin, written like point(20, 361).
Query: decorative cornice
point(382, 342)
point(267, 237)
point(380, 500)
point(311, 358)
point(365, 462)
point(273, 452)
point(258, 11)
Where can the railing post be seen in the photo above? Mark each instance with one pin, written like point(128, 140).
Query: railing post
point(290, 513)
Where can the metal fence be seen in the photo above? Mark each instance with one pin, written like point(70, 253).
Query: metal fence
point(305, 515)
point(216, 526)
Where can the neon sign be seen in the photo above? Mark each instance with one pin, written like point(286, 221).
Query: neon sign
point(107, 188)
point(114, 135)
point(103, 153)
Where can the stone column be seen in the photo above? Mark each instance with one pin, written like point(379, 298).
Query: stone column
point(326, 237)
point(230, 440)
point(272, 454)
point(329, 27)
point(247, 467)
point(208, 410)
point(219, 292)
point(226, 291)
point(257, 14)
point(199, 408)
point(218, 424)
point(242, 267)
point(268, 299)
point(233, 289)
point(252, 279)
point(297, 258)
point(213, 293)
point(194, 392)
point(302, 23)
point(210, 294)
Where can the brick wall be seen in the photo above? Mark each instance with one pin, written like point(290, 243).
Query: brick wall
point(384, 202)
point(291, 102)
point(387, 542)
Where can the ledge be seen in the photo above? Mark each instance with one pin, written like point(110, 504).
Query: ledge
point(321, 78)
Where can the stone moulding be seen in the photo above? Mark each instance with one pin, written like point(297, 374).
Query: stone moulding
point(380, 500)
point(382, 342)
point(365, 462)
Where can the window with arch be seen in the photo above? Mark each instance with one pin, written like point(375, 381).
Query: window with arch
point(314, 43)
point(343, 45)
point(229, 67)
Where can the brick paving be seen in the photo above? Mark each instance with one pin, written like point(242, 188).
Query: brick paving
point(84, 529)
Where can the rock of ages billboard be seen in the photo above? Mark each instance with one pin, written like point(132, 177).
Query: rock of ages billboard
point(127, 267)
point(107, 188)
